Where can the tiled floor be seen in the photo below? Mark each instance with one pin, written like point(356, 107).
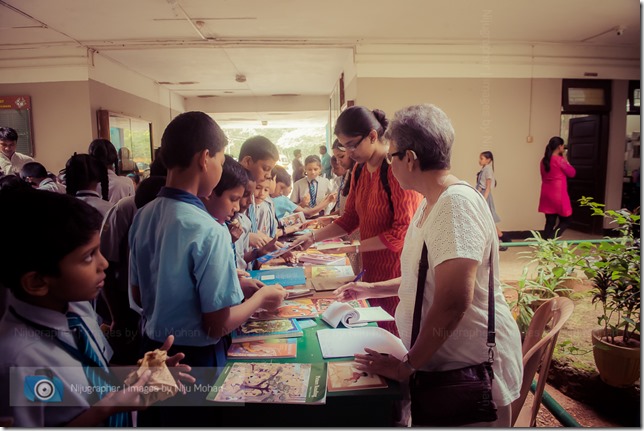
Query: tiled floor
point(512, 264)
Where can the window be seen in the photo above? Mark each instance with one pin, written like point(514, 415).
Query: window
point(128, 132)
point(586, 95)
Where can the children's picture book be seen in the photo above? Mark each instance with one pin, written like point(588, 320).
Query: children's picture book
point(344, 376)
point(292, 219)
point(291, 276)
point(276, 253)
point(323, 284)
point(301, 308)
point(298, 292)
point(322, 303)
point(278, 348)
point(345, 343)
point(341, 312)
point(322, 259)
point(267, 382)
point(255, 330)
point(328, 271)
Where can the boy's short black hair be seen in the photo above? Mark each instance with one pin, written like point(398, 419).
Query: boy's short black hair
point(40, 246)
point(312, 159)
point(188, 134)
point(148, 190)
point(8, 134)
point(33, 170)
point(12, 182)
point(281, 175)
point(233, 175)
point(259, 148)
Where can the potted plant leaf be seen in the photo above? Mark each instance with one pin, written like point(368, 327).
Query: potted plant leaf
point(614, 269)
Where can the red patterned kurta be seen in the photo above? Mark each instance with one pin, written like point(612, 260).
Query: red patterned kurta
point(367, 208)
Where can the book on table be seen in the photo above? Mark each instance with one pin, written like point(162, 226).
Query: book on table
point(322, 259)
point(290, 276)
point(322, 303)
point(254, 330)
point(344, 343)
point(329, 271)
point(269, 382)
point(276, 253)
point(301, 308)
point(341, 312)
point(344, 376)
point(333, 245)
point(275, 348)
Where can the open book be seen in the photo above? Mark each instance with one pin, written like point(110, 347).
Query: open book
point(340, 312)
point(342, 343)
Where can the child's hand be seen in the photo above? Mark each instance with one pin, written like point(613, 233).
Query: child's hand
point(249, 286)
point(235, 229)
point(179, 371)
point(291, 229)
point(241, 273)
point(331, 197)
point(127, 399)
point(268, 247)
point(306, 201)
point(272, 296)
point(258, 239)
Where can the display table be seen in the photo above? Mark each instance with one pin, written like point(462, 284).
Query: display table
point(364, 408)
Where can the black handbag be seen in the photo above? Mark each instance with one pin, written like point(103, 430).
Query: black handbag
point(453, 397)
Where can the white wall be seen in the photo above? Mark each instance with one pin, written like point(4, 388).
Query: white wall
point(494, 115)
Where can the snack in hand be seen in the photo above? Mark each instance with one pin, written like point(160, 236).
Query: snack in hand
point(161, 384)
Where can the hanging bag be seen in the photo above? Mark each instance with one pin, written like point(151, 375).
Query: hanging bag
point(454, 397)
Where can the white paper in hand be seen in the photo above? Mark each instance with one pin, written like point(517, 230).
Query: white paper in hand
point(340, 312)
point(341, 343)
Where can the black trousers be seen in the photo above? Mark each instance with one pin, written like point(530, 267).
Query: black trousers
point(550, 230)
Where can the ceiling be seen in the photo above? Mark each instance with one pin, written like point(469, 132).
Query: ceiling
point(236, 48)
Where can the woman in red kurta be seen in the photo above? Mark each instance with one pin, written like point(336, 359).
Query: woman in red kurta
point(382, 232)
point(554, 201)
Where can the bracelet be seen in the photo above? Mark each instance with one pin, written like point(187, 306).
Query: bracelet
point(313, 236)
point(357, 249)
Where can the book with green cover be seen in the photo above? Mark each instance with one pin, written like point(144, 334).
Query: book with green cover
point(254, 330)
point(264, 382)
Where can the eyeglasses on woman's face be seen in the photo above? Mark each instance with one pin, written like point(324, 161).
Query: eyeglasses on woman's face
point(353, 144)
point(400, 154)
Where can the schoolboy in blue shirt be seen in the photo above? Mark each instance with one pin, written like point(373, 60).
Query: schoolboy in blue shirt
point(181, 271)
point(49, 338)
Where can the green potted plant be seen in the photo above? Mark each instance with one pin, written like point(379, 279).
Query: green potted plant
point(614, 269)
point(520, 302)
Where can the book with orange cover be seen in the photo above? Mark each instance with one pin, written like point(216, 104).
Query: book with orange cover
point(279, 348)
point(255, 330)
point(322, 303)
point(344, 376)
point(300, 308)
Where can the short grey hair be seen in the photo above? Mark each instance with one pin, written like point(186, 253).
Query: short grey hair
point(427, 131)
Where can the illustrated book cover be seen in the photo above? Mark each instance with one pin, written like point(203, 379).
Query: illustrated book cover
point(341, 312)
point(344, 376)
point(264, 382)
point(276, 348)
point(343, 343)
point(292, 219)
point(322, 303)
point(331, 271)
point(301, 308)
point(254, 330)
point(322, 259)
point(290, 276)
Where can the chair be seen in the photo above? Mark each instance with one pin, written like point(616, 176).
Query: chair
point(537, 352)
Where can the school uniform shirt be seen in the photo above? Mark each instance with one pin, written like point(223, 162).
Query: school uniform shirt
point(283, 206)
point(266, 221)
point(52, 186)
point(95, 200)
point(181, 261)
point(14, 164)
point(28, 350)
point(301, 188)
point(242, 244)
point(118, 187)
point(460, 226)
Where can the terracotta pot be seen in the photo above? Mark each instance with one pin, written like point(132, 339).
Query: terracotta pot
point(618, 366)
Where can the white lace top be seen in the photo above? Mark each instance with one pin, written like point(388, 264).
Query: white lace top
point(460, 226)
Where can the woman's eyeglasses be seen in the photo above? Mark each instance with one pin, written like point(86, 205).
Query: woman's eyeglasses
point(351, 146)
point(390, 157)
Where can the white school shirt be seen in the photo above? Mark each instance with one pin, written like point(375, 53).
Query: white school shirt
point(460, 226)
point(26, 350)
point(118, 187)
point(95, 200)
point(15, 164)
point(52, 186)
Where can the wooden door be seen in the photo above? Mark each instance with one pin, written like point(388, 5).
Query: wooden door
point(587, 153)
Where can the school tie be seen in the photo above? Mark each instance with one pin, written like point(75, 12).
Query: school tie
point(313, 192)
point(337, 200)
point(94, 376)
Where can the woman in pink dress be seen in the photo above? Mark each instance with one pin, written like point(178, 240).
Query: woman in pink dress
point(554, 201)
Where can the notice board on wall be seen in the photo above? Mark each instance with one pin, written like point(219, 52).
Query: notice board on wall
point(15, 112)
